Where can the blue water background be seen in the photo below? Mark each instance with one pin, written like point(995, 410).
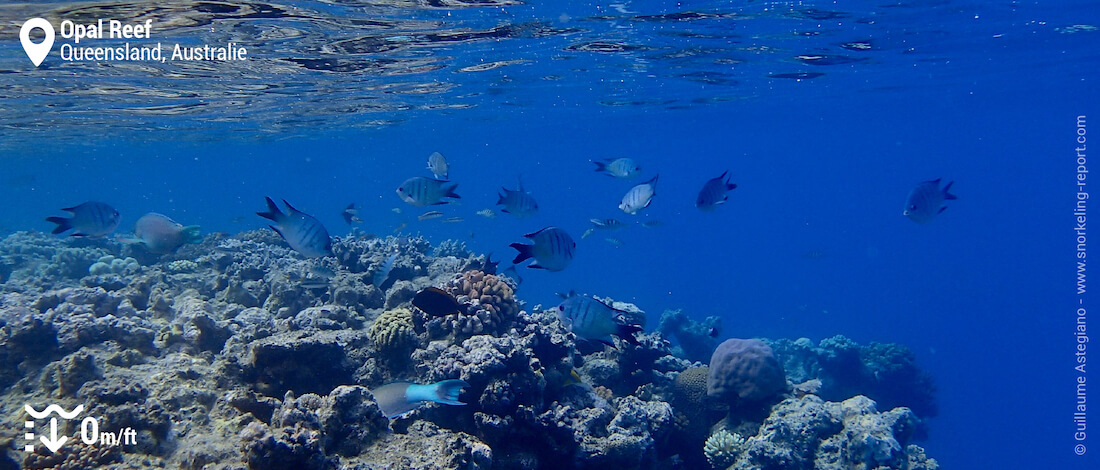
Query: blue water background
point(984, 295)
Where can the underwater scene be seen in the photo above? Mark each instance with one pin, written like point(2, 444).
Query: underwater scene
point(533, 234)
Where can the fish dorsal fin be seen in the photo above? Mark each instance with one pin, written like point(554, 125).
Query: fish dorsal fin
point(535, 234)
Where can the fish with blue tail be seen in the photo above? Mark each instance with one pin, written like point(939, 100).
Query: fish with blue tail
point(162, 235)
point(594, 320)
point(518, 203)
point(399, 398)
point(552, 249)
point(714, 193)
point(928, 200)
point(91, 219)
point(639, 197)
point(420, 191)
point(624, 167)
point(302, 231)
point(437, 164)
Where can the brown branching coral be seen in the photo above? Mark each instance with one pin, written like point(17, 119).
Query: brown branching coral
point(488, 306)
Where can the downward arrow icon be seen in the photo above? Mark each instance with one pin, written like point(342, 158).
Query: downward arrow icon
point(53, 442)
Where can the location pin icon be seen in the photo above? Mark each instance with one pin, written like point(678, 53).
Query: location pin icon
point(37, 52)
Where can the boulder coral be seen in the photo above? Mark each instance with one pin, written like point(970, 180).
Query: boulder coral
point(392, 336)
point(745, 370)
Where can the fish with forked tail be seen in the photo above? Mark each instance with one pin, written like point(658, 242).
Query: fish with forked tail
point(552, 248)
point(420, 191)
point(715, 192)
point(594, 320)
point(927, 200)
point(302, 231)
point(91, 219)
point(639, 197)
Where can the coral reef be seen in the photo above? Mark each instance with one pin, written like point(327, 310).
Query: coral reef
point(887, 373)
point(238, 353)
point(694, 340)
point(809, 433)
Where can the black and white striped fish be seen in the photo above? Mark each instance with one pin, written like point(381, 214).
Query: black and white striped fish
point(421, 191)
point(639, 197)
point(624, 167)
point(927, 200)
point(302, 231)
point(91, 219)
point(518, 203)
point(551, 247)
point(714, 192)
point(437, 163)
point(593, 320)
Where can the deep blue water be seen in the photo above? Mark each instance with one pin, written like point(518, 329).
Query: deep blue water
point(983, 94)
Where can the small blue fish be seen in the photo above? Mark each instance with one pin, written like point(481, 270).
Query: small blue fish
point(607, 224)
point(714, 192)
point(437, 163)
point(518, 203)
point(91, 219)
point(398, 398)
point(594, 320)
point(351, 215)
point(551, 247)
point(639, 197)
point(926, 201)
point(624, 168)
point(383, 271)
point(421, 191)
point(302, 231)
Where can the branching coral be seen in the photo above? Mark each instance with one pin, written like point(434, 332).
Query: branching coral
point(722, 448)
point(488, 306)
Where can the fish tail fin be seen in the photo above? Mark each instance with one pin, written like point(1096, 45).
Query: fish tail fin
point(500, 198)
point(601, 167)
point(451, 191)
point(290, 208)
point(447, 391)
point(626, 332)
point(947, 192)
point(273, 212)
point(63, 224)
point(525, 252)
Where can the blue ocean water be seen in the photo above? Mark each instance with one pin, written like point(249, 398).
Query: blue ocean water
point(812, 243)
